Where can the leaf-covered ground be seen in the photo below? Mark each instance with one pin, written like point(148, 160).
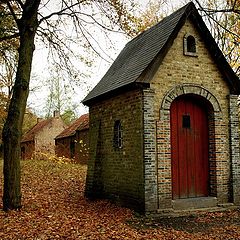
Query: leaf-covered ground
point(54, 207)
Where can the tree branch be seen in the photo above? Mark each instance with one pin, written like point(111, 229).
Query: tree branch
point(230, 10)
point(59, 12)
point(20, 3)
point(234, 4)
point(209, 12)
point(4, 38)
point(91, 45)
point(12, 12)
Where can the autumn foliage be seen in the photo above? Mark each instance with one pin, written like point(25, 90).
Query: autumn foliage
point(233, 34)
point(54, 207)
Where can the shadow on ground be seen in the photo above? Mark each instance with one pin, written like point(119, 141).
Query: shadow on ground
point(191, 224)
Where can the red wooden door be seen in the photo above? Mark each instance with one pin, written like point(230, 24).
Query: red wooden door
point(189, 144)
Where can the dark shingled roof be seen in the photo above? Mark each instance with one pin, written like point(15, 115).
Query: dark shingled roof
point(140, 54)
point(29, 136)
point(79, 124)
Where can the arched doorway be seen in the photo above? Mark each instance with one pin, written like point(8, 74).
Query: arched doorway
point(189, 147)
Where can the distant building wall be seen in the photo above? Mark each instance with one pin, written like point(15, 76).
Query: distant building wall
point(27, 150)
point(75, 147)
point(62, 146)
point(82, 146)
point(44, 139)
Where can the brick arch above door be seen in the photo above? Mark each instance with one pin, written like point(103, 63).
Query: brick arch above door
point(163, 130)
point(189, 89)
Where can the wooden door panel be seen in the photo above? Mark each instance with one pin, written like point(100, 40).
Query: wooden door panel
point(189, 144)
point(182, 151)
point(174, 142)
point(190, 149)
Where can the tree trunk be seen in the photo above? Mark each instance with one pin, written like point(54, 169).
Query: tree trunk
point(12, 130)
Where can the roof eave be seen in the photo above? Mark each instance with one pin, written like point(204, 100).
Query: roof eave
point(82, 129)
point(148, 72)
point(151, 69)
point(128, 87)
point(66, 136)
point(28, 140)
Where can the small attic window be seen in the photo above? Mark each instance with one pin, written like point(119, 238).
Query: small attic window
point(117, 134)
point(190, 46)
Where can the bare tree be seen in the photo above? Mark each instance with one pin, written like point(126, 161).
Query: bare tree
point(223, 18)
point(42, 18)
point(60, 94)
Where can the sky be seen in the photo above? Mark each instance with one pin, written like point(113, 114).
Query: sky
point(41, 70)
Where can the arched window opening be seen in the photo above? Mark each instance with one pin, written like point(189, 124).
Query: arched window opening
point(117, 135)
point(191, 44)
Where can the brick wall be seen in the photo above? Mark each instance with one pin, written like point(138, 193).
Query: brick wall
point(44, 139)
point(27, 149)
point(150, 163)
point(234, 150)
point(180, 74)
point(140, 172)
point(82, 146)
point(117, 173)
point(80, 151)
point(62, 146)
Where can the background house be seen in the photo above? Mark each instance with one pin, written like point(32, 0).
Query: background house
point(40, 138)
point(72, 142)
point(164, 129)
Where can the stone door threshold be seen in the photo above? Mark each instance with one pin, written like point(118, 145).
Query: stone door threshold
point(193, 206)
point(194, 203)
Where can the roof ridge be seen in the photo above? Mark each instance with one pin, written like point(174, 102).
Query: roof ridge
point(121, 72)
point(129, 68)
point(29, 135)
point(74, 126)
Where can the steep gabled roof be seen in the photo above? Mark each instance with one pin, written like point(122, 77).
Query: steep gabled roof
point(79, 124)
point(129, 68)
point(29, 136)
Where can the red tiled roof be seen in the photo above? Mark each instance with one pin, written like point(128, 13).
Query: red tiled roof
point(29, 136)
point(79, 124)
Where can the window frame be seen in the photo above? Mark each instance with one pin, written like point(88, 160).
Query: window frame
point(117, 135)
point(186, 47)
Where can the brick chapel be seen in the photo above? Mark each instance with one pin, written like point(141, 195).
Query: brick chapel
point(164, 128)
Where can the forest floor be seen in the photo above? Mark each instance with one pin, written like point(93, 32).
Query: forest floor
point(54, 207)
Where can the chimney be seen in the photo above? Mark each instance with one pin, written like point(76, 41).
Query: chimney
point(56, 114)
